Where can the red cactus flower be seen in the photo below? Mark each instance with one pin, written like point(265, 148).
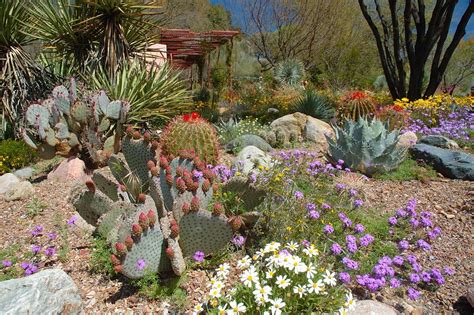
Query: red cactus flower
point(186, 117)
point(169, 179)
point(195, 116)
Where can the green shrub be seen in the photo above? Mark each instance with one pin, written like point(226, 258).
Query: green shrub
point(15, 155)
point(233, 128)
point(409, 170)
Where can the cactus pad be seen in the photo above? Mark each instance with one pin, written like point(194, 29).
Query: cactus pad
point(137, 153)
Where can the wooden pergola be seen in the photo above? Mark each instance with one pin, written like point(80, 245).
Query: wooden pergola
point(185, 48)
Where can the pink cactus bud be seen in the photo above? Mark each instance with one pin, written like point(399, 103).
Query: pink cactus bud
point(118, 268)
point(174, 230)
point(180, 171)
point(154, 145)
point(173, 222)
point(207, 173)
point(215, 188)
point(151, 217)
point(150, 164)
point(206, 185)
point(129, 130)
point(123, 187)
point(200, 166)
point(168, 170)
point(146, 136)
point(90, 185)
point(143, 220)
point(129, 242)
point(120, 248)
point(235, 223)
point(163, 162)
point(217, 209)
point(180, 185)
point(170, 252)
point(195, 203)
point(154, 171)
point(186, 208)
point(136, 135)
point(169, 179)
point(114, 259)
point(196, 160)
point(194, 186)
point(137, 230)
point(141, 198)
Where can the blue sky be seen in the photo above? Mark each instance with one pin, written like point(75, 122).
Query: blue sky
point(236, 9)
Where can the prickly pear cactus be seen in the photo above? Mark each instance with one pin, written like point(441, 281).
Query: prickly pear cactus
point(191, 133)
point(67, 125)
point(153, 215)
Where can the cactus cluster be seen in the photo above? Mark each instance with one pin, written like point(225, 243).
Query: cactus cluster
point(68, 124)
point(357, 104)
point(191, 133)
point(153, 211)
point(367, 147)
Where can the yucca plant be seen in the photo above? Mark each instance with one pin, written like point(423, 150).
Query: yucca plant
point(316, 105)
point(367, 147)
point(289, 72)
point(21, 78)
point(90, 33)
point(155, 94)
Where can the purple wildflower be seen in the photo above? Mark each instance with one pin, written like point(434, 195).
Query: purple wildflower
point(6, 263)
point(35, 249)
point(358, 203)
point(403, 245)
point(310, 206)
point(198, 256)
point(314, 214)
point(52, 235)
point(426, 222)
point(340, 187)
point(353, 192)
point(72, 220)
point(141, 264)
point(305, 243)
point(359, 228)
point(299, 195)
point(336, 249)
point(449, 271)
point(350, 264)
point(414, 222)
point(325, 206)
point(238, 240)
point(395, 283)
point(37, 230)
point(416, 267)
point(392, 221)
point(398, 260)
point(366, 240)
point(425, 276)
point(328, 229)
point(413, 294)
point(50, 251)
point(401, 213)
point(414, 278)
point(423, 245)
point(344, 277)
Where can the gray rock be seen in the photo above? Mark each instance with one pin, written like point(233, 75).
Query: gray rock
point(19, 191)
point(250, 158)
point(407, 140)
point(49, 291)
point(24, 173)
point(315, 131)
point(470, 295)
point(439, 141)
point(6, 181)
point(452, 164)
point(371, 307)
point(289, 127)
point(247, 140)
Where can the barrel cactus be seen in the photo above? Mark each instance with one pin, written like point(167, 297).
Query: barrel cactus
point(191, 133)
point(357, 104)
point(68, 124)
point(367, 147)
point(153, 211)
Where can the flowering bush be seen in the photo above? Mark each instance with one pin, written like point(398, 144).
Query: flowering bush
point(367, 249)
point(277, 280)
point(15, 155)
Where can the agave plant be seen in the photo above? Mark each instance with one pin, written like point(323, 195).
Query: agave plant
point(316, 105)
point(92, 33)
point(21, 78)
point(366, 147)
point(289, 72)
point(155, 94)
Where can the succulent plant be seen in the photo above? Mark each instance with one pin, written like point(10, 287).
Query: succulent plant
point(67, 124)
point(366, 147)
point(289, 72)
point(357, 104)
point(395, 116)
point(316, 105)
point(157, 213)
point(193, 134)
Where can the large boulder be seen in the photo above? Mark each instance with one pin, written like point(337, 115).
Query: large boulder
point(19, 191)
point(315, 131)
point(407, 139)
point(69, 169)
point(439, 141)
point(49, 291)
point(452, 164)
point(369, 307)
point(6, 181)
point(289, 127)
point(250, 158)
point(247, 140)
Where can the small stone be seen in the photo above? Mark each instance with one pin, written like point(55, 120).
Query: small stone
point(6, 181)
point(417, 311)
point(439, 141)
point(366, 307)
point(24, 173)
point(407, 140)
point(470, 295)
point(69, 169)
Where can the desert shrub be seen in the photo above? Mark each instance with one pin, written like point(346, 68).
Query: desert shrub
point(15, 155)
point(289, 72)
point(234, 128)
point(367, 247)
point(410, 170)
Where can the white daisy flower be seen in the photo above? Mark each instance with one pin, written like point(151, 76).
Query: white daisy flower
point(316, 287)
point(292, 246)
point(311, 251)
point(293, 262)
point(260, 299)
point(249, 277)
point(277, 306)
point(342, 311)
point(282, 282)
point(244, 263)
point(300, 290)
point(219, 285)
point(264, 291)
point(236, 308)
point(215, 293)
point(270, 274)
point(223, 270)
point(310, 271)
point(301, 268)
point(271, 247)
point(285, 261)
point(197, 309)
point(329, 278)
point(221, 310)
point(350, 301)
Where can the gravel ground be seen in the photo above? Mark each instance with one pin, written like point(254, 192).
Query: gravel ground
point(451, 201)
